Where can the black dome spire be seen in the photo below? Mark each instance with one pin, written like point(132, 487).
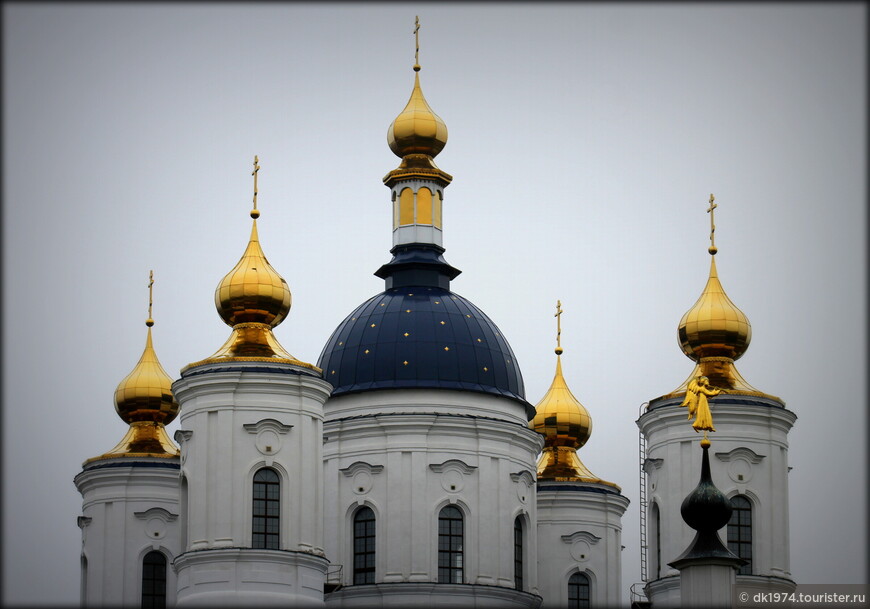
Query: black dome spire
point(706, 509)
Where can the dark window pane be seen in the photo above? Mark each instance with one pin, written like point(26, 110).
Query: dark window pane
point(740, 531)
point(578, 591)
point(364, 546)
point(450, 535)
point(265, 523)
point(154, 580)
point(518, 553)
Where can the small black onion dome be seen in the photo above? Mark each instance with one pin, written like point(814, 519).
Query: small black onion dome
point(421, 337)
point(706, 510)
point(706, 507)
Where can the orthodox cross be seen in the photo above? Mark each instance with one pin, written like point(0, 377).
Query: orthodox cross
point(417, 43)
point(558, 317)
point(254, 173)
point(150, 321)
point(712, 225)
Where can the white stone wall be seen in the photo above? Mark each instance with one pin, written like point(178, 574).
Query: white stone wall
point(407, 453)
point(129, 508)
point(234, 422)
point(748, 456)
point(579, 530)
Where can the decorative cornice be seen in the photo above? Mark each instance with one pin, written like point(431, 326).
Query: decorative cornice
point(741, 452)
point(452, 464)
point(524, 475)
point(650, 464)
point(586, 536)
point(271, 360)
point(267, 424)
point(156, 512)
point(361, 466)
point(417, 166)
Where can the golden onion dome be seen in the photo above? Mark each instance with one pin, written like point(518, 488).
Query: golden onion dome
point(417, 129)
point(566, 426)
point(146, 393)
point(253, 292)
point(144, 401)
point(714, 326)
point(560, 417)
point(252, 299)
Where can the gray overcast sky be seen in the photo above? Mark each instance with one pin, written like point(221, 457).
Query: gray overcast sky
point(585, 140)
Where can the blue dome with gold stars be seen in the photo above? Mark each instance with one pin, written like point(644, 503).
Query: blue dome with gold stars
point(420, 337)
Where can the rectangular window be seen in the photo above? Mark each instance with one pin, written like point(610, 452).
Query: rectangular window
point(266, 510)
point(518, 553)
point(364, 546)
point(451, 531)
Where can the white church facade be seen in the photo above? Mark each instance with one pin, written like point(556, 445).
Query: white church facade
point(407, 466)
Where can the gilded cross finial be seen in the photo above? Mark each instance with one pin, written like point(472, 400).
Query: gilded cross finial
point(254, 212)
point(417, 44)
point(150, 322)
point(712, 249)
point(558, 317)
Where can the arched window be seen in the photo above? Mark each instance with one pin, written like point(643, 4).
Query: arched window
point(154, 581)
point(451, 531)
point(657, 543)
point(740, 531)
point(424, 206)
point(84, 588)
point(184, 515)
point(406, 207)
point(437, 210)
point(267, 504)
point(518, 553)
point(364, 546)
point(578, 591)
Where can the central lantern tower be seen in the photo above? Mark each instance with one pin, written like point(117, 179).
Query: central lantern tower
point(428, 459)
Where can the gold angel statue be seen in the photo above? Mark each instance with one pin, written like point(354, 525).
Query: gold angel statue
point(697, 392)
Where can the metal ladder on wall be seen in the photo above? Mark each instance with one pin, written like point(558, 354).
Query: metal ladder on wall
point(638, 596)
point(643, 499)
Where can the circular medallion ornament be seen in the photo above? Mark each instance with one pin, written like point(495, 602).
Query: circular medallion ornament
point(740, 470)
point(452, 481)
point(523, 491)
point(580, 550)
point(362, 483)
point(268, 442)
point(155, 528)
